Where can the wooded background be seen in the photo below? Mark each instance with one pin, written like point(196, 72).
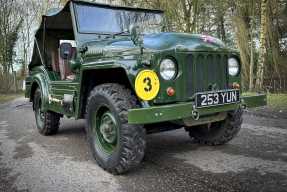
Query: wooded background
point(257, 28)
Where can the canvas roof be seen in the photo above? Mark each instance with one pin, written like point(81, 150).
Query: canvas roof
point(60, 20)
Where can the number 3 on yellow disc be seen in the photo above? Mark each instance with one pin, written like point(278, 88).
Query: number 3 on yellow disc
point(147, 85)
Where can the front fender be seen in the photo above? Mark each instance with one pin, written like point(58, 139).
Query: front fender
point(254, 101)
point(99, 72)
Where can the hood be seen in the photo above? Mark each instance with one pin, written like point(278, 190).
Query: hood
point(182, 41)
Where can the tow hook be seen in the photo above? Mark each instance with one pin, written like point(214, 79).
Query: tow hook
point(195, 115)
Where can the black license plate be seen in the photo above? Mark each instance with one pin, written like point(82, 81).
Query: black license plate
point(207, 99)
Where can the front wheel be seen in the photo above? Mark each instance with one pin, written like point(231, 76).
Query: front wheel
point(218, 133)
point(47, 121)
point(116, 145)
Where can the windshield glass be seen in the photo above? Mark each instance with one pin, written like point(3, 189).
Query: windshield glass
point(92, 19)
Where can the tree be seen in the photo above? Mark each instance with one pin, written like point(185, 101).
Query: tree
point(262, 51)
point(241, 24)
point(10, 23)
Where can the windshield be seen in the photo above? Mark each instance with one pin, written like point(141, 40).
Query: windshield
point(92, 19)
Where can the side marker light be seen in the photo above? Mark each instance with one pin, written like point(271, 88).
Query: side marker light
point(170, 91)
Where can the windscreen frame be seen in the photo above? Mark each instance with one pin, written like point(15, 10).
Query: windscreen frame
point(159, 12)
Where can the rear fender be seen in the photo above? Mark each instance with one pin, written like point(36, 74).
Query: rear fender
point(40, 81)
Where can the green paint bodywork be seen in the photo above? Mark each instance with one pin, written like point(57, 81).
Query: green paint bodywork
point(192, 53)
point(254, 101)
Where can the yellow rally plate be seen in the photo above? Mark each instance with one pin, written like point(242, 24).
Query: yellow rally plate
point(147, 85)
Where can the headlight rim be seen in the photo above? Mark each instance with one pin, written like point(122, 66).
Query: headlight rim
point(238, 65)
point(175, 68)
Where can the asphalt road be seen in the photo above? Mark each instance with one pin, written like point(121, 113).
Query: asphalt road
point(254, 161)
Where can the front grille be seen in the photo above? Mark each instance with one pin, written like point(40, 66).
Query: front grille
point(205, 70)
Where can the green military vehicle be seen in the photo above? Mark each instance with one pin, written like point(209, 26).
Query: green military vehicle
point(120, 70)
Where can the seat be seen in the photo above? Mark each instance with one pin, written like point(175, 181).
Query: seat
point(55, 61)
point(65, 70)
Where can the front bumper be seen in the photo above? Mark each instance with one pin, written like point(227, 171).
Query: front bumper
point(172, 112)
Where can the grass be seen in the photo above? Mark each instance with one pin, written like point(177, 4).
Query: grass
point(9, 97)
point(277, 101)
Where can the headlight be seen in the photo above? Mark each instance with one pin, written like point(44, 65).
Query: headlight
point(168, 69)
point(233, 66)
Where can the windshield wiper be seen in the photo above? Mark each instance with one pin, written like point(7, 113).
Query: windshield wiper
point(119, 33)
point(123, 32)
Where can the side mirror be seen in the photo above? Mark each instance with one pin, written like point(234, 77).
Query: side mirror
point(136, 36)
point(66, 51)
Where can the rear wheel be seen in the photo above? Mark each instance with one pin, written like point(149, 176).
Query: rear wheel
point(218, 133)
point(116, 145)
point(47, 122)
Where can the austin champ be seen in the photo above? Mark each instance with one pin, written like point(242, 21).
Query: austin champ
point(127, 76)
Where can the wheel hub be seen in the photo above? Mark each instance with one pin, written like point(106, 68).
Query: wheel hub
point(108, 128)
point(42, 116)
